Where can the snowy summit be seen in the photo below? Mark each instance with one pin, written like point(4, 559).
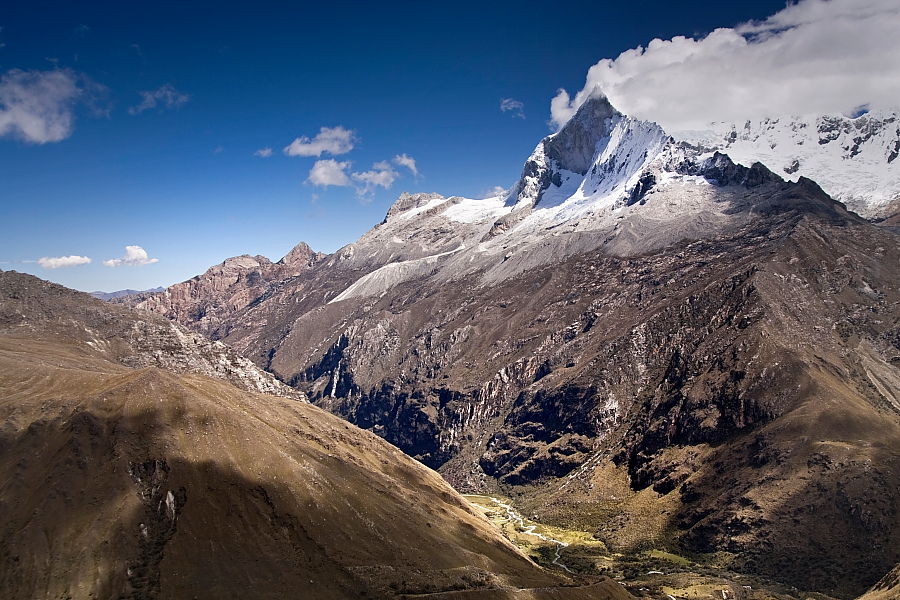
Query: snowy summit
point(604, 182)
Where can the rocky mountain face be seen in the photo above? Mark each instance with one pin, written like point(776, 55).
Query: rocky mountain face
point(206, 301)
point(853, 159)
point(119, 480)
point(637, 310)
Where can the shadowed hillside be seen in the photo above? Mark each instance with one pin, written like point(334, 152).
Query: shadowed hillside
point(140, 483)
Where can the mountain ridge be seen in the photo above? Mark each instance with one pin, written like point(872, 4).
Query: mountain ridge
point(208, 299)
point(851, 158)
point(31, 307)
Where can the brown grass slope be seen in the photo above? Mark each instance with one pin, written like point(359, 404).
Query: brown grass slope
point(42, 310)
point(140, 483)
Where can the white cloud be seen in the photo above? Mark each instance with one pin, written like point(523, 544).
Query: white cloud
point(135, 256)
point(333, 140)
point(63, 261)
point(263, 152)
point(493, 192)
point(36, 106)
point(330, 172)
point(815, 56)
point(381, 175)
point(165, 97)
point(509, 104)
point(407, 161)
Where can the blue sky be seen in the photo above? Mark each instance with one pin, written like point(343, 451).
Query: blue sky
point(151, 138)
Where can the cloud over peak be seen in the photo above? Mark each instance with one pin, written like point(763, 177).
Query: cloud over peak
point(48, 262)
point(813, 57)
point(135, 256)
point(331, 140)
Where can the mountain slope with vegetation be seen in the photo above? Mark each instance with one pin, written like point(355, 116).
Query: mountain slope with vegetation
point(146, 483)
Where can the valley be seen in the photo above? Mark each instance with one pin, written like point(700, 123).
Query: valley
point(641, 340)
point(127, 482)
point(651, 573)
point(683, 368)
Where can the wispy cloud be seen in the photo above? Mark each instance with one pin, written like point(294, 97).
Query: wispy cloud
point(409, 162)
point(514, 106)
point(331, 140)
point(815, 56)
point(382, 175)
point(37, 106)
point(48, 262)
point(263, 152)
point(493, 192)
point(328, 172)
point(135, 256)
point(166, 97)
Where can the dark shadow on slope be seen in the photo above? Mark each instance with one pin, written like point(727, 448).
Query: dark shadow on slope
point(110, 504)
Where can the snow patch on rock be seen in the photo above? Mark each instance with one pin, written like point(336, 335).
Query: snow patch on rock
point(379, 281)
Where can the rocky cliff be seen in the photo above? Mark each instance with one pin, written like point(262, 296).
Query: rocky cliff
point(205, 302)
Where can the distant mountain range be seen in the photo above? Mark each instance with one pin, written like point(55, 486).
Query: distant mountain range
point(106, 296)
point(643, 339)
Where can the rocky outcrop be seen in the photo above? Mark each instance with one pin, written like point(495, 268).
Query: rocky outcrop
point(205, 302)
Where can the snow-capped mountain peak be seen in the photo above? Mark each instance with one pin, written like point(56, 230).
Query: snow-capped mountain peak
point(610, 183)
point(853, 159)
point(594, 161)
